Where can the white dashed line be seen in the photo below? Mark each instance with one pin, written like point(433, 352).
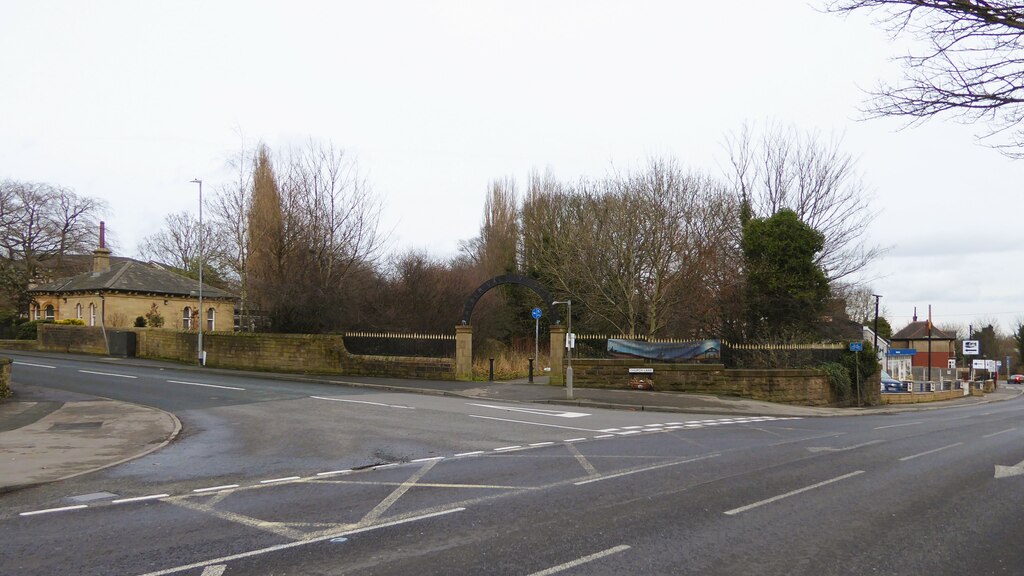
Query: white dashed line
point(285, 479)
point(34, 365)
point(334, 472)
point(204, 385)
point(215, 488)
point(998, 433)
point(905, 458)
point(898, 425)
point(628, 432)
point(383, 466)
point(139, 499)
point(51, 510)
point(107, 374)
point(574, 440)
point(363, 402)
point(539, 444)
point(580, 561)
point(427, 459)
point(474, 453)
point(735, 511)
point(605, 436)
point(506, 448)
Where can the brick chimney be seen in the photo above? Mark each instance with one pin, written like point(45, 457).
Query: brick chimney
point(101, 255)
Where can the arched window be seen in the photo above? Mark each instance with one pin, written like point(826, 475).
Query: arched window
point(92, 314)
point(78, 310)
point(211, 319)
point(49, 312)
point(35, 311)
point(186, 318)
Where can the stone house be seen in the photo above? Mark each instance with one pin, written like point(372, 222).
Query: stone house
point(118, 290)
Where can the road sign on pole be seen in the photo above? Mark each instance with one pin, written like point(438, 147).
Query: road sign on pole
point(856, 346)
point(971, 348)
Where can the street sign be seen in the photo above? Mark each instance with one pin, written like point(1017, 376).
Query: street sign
point(972, 348)
point(856, 346)
point(536, 313)
point(978, 364)
point(951, 363)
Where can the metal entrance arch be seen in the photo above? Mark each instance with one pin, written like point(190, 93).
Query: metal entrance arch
point(511, 279)
point(464, 331)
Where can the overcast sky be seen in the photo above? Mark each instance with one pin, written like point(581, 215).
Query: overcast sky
point(129, 101)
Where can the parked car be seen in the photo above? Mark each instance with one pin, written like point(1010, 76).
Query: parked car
point(890, 384)
point(1016, 379)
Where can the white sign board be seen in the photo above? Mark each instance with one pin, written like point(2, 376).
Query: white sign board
point(990, 365)
point(641, 370)
point(978, 364)
point(971, 348)
point(951, 363)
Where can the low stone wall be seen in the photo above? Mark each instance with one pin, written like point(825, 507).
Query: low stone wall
point(70, 339)
point(19, 345)
point(5, 378)
point(801, 387)
point(918, 397)
point(310, 354)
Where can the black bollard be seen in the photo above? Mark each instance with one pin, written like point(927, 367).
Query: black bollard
point(490, 375)
point(531, 371)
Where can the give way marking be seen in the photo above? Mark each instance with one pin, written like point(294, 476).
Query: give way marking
point(537, 411)
point(1007, 471)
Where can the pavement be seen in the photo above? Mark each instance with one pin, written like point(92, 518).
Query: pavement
point(48, 435)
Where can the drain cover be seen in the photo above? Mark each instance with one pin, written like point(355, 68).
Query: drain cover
point(76, 425)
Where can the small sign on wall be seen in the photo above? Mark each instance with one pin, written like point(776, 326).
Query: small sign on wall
point(641, 370)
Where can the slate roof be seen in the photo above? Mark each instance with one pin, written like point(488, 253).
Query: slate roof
point(128, 275)
point(919, 331)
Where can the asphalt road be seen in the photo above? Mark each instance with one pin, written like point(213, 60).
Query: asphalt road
point(272, 477)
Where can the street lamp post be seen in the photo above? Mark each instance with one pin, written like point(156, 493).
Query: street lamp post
point(877, 296)
point(202, 313)
point(568, 344)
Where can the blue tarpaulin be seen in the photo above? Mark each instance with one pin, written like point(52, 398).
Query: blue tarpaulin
point(666, 351)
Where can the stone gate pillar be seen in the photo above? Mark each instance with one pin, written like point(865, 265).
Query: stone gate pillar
point(463, 352)
point(557, 355)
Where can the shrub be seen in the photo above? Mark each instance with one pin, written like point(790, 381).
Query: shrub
point(71, 322)
point(838, 378)
point(140, 322)
point(153, 318)
point(28, 330)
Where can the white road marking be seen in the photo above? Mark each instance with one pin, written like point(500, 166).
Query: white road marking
point(286, 479)
point(107, 374)
point(383, 466)
point(33, 365)
point(580, 561)
point(605, 436)
point(609, 430)
point(537, 411)
point(998, 433)
point(427, 459)
point(334, 472)
point(647, 469)
point(630, 428)
point(905, 458)
point(830, 449)
point(474, 453)
point(205, 385)
point(574, 440)
point(539, 444)
point(215, 488)
point(504, 448)
point(289, 545)
point(628, 432)
point(898, 425)
point(364, 402)
point(735, 511)
point(50, 510)
point(532, 423)
point(139, 499)
point(215, 570)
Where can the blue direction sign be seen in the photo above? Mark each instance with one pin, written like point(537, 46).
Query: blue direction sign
point(536, 313)
point(856, 346)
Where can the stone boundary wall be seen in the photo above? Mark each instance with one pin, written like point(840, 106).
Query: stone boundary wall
point(19, 344)
point(70, 339)
point(5, 378)
point(803, 387)
point(304, 353)
point(917, 397)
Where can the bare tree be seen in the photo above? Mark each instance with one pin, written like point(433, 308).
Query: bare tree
point(970, 63)
point(814, 178)
point(40, 224)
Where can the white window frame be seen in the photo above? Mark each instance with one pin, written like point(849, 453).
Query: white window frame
point(92, 314)
point(186, 318)
point(211, 319)
point(50, 312)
